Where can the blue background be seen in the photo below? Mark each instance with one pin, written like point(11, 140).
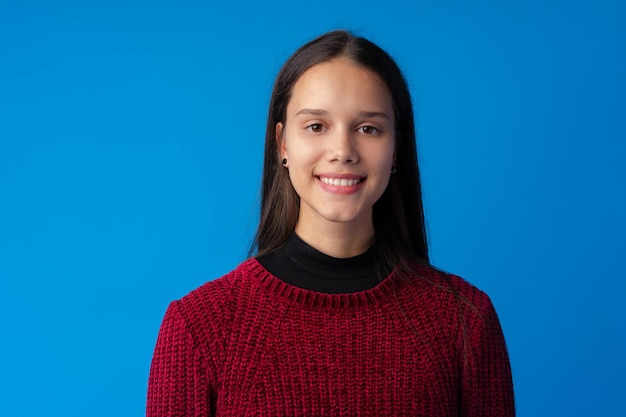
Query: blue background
point(131, 138)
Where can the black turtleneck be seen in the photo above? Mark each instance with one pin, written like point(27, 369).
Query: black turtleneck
point(299, 264)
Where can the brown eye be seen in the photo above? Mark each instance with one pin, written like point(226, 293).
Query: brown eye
point(369, 130)
point(316, 127)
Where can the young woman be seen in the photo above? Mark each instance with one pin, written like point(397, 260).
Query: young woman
point(339, 313)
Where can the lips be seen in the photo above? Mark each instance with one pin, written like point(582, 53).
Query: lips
point(340, 179)
point(340, 182)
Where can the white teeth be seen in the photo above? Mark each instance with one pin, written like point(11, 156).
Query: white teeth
point(339, 182)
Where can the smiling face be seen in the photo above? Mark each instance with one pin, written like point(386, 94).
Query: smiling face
point(339, 142)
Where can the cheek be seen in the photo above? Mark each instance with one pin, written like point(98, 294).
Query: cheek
point(301, 154)
point(383, 157)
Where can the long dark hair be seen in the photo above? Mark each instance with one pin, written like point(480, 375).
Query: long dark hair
point(398, 215)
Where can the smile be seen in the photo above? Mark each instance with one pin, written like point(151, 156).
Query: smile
point(341, 182)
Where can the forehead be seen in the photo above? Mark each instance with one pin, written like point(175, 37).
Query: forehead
point(340, 84)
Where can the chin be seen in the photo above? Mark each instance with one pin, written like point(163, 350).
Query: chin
point(342, 216)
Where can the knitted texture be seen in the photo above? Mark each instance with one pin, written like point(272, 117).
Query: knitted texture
point(248, 344)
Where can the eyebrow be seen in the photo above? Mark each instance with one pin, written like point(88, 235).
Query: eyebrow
point(371, 114)
point(364, 114)
point(314, 112)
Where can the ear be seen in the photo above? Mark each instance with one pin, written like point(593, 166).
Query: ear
point(282, 149)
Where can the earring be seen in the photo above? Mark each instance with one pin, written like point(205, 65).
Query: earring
point(394, 168)
point(284, 161)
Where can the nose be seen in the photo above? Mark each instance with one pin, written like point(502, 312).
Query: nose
point(343, 147)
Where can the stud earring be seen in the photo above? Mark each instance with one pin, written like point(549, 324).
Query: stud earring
point(284, 161)
point(394, 168)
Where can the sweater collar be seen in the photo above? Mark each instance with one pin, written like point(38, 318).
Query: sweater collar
point(260, 278)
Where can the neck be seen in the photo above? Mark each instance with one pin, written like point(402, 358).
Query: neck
point(338, 240)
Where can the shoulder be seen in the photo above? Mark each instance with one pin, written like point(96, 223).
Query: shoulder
point(435, 281)
point(444, 292)
point(217, 293)
point(206, 310)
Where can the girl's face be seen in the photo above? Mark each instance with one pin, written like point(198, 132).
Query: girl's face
point(339, 141)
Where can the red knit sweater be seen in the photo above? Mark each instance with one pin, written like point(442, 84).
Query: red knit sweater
point(248, 344)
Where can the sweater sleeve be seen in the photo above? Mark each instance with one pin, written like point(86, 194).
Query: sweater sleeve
point(178, 384)
point(487, 381)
